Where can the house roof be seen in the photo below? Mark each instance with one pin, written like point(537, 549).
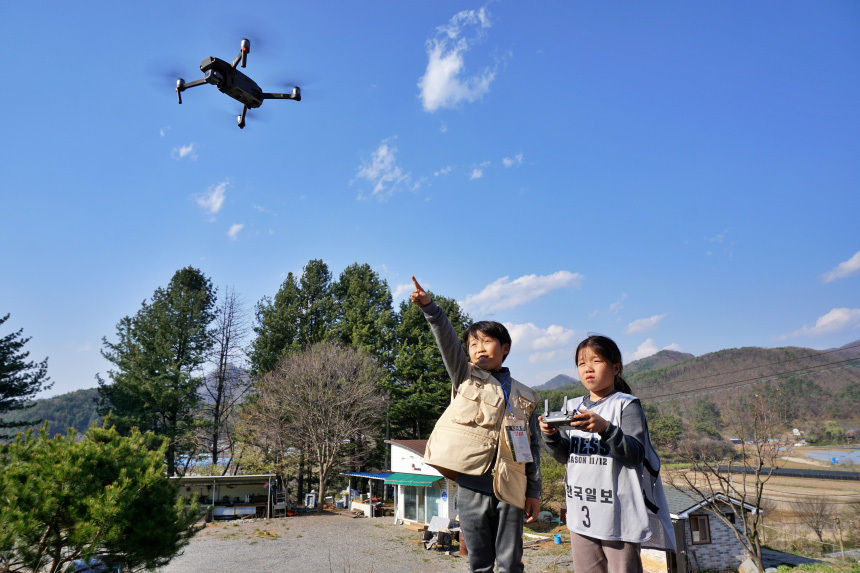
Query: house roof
point(223, 480)
point(417, 446)
point(682, 502)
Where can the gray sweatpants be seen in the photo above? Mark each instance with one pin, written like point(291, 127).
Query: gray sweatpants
point(493, 531)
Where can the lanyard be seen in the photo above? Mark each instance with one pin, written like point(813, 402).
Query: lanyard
point(507, 377)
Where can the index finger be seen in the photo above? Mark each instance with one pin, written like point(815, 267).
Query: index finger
point(415, 282)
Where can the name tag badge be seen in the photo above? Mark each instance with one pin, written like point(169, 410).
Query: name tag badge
point(518, 440)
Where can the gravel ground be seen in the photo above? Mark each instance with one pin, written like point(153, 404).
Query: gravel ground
point(331, 542)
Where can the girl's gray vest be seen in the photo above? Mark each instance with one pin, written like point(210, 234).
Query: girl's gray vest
point(468, 437)
point(609, 500)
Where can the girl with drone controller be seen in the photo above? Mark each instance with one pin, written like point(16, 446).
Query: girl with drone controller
point(612, 470)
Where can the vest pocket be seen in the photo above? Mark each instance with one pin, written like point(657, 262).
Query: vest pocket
point(509, 483)
point(471, 406)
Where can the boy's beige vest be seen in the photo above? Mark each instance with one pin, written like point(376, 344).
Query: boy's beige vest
point(468, 437)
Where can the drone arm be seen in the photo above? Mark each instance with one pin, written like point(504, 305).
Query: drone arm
point(182, 85)
point(296, 95)
point(244, 48)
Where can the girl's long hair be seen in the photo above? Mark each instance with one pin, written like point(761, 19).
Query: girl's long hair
point(606, 348)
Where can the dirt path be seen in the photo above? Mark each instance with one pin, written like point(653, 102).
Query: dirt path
point(330, 542)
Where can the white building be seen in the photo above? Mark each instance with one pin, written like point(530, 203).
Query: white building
point(421, 492)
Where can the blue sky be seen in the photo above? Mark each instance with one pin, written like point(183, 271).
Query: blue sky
point(674, 175)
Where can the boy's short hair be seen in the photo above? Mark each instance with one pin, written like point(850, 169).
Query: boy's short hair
point(491, 328)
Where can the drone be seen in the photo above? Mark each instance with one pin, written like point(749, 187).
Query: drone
point(234, 83)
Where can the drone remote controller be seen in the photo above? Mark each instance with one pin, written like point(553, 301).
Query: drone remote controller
point(557, 419)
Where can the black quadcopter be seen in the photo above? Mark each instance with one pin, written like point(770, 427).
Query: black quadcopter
point(234, 83)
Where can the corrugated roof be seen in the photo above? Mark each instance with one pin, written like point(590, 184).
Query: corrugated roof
point(371, 475)
point(224, 480)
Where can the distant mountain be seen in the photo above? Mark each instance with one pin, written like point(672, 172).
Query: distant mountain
point(557, 382)
point(851, 349)
point(659, 360)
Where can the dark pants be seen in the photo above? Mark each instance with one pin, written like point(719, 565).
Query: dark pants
point(493, 531)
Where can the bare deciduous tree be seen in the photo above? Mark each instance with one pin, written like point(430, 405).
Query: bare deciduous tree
point(322, 400)
point(742, 473)
point(228, 382)
point(815, 512)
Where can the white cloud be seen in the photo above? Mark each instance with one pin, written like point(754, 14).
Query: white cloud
point(384, 173)
point(185, 151)
point(503, 293)
point(443, 128)
point(614, 308)
point(544, 357)
point(213, 199)
point(476, 174)
point(837, 320)
point(445, 84)
point(843, 269)
point(515, 160)
point(552, 343)
point(163, 131)
point(403, 290)
point(720, 237)
point(648, 348)
point(235, 228)
point(444, 171)
point(644, 324)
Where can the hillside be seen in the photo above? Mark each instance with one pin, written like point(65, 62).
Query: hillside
point(73, 410)
point(822, 384)
point(819, 383)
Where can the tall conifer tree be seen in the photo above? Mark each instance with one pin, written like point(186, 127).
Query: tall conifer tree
point(158, 355)
point(20, 379)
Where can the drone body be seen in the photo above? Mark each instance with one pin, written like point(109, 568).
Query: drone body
point(229, 80)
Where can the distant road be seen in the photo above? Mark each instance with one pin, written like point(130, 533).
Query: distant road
point(799, 473)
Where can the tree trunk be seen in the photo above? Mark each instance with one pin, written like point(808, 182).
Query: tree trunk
point(301, 478)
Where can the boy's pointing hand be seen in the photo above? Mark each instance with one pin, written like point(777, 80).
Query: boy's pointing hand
point(419, 296)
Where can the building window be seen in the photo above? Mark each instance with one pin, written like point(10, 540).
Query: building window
point(700, 529)
point(413, 503)
point(410, 502)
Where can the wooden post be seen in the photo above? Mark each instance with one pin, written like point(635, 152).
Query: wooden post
point(841, 545)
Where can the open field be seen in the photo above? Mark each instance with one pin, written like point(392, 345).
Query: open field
point(784, 527)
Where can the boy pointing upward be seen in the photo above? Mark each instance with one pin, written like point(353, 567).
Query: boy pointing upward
point(487, 440)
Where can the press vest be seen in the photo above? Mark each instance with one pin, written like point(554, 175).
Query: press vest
point(609, 500)
point(468, 438)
